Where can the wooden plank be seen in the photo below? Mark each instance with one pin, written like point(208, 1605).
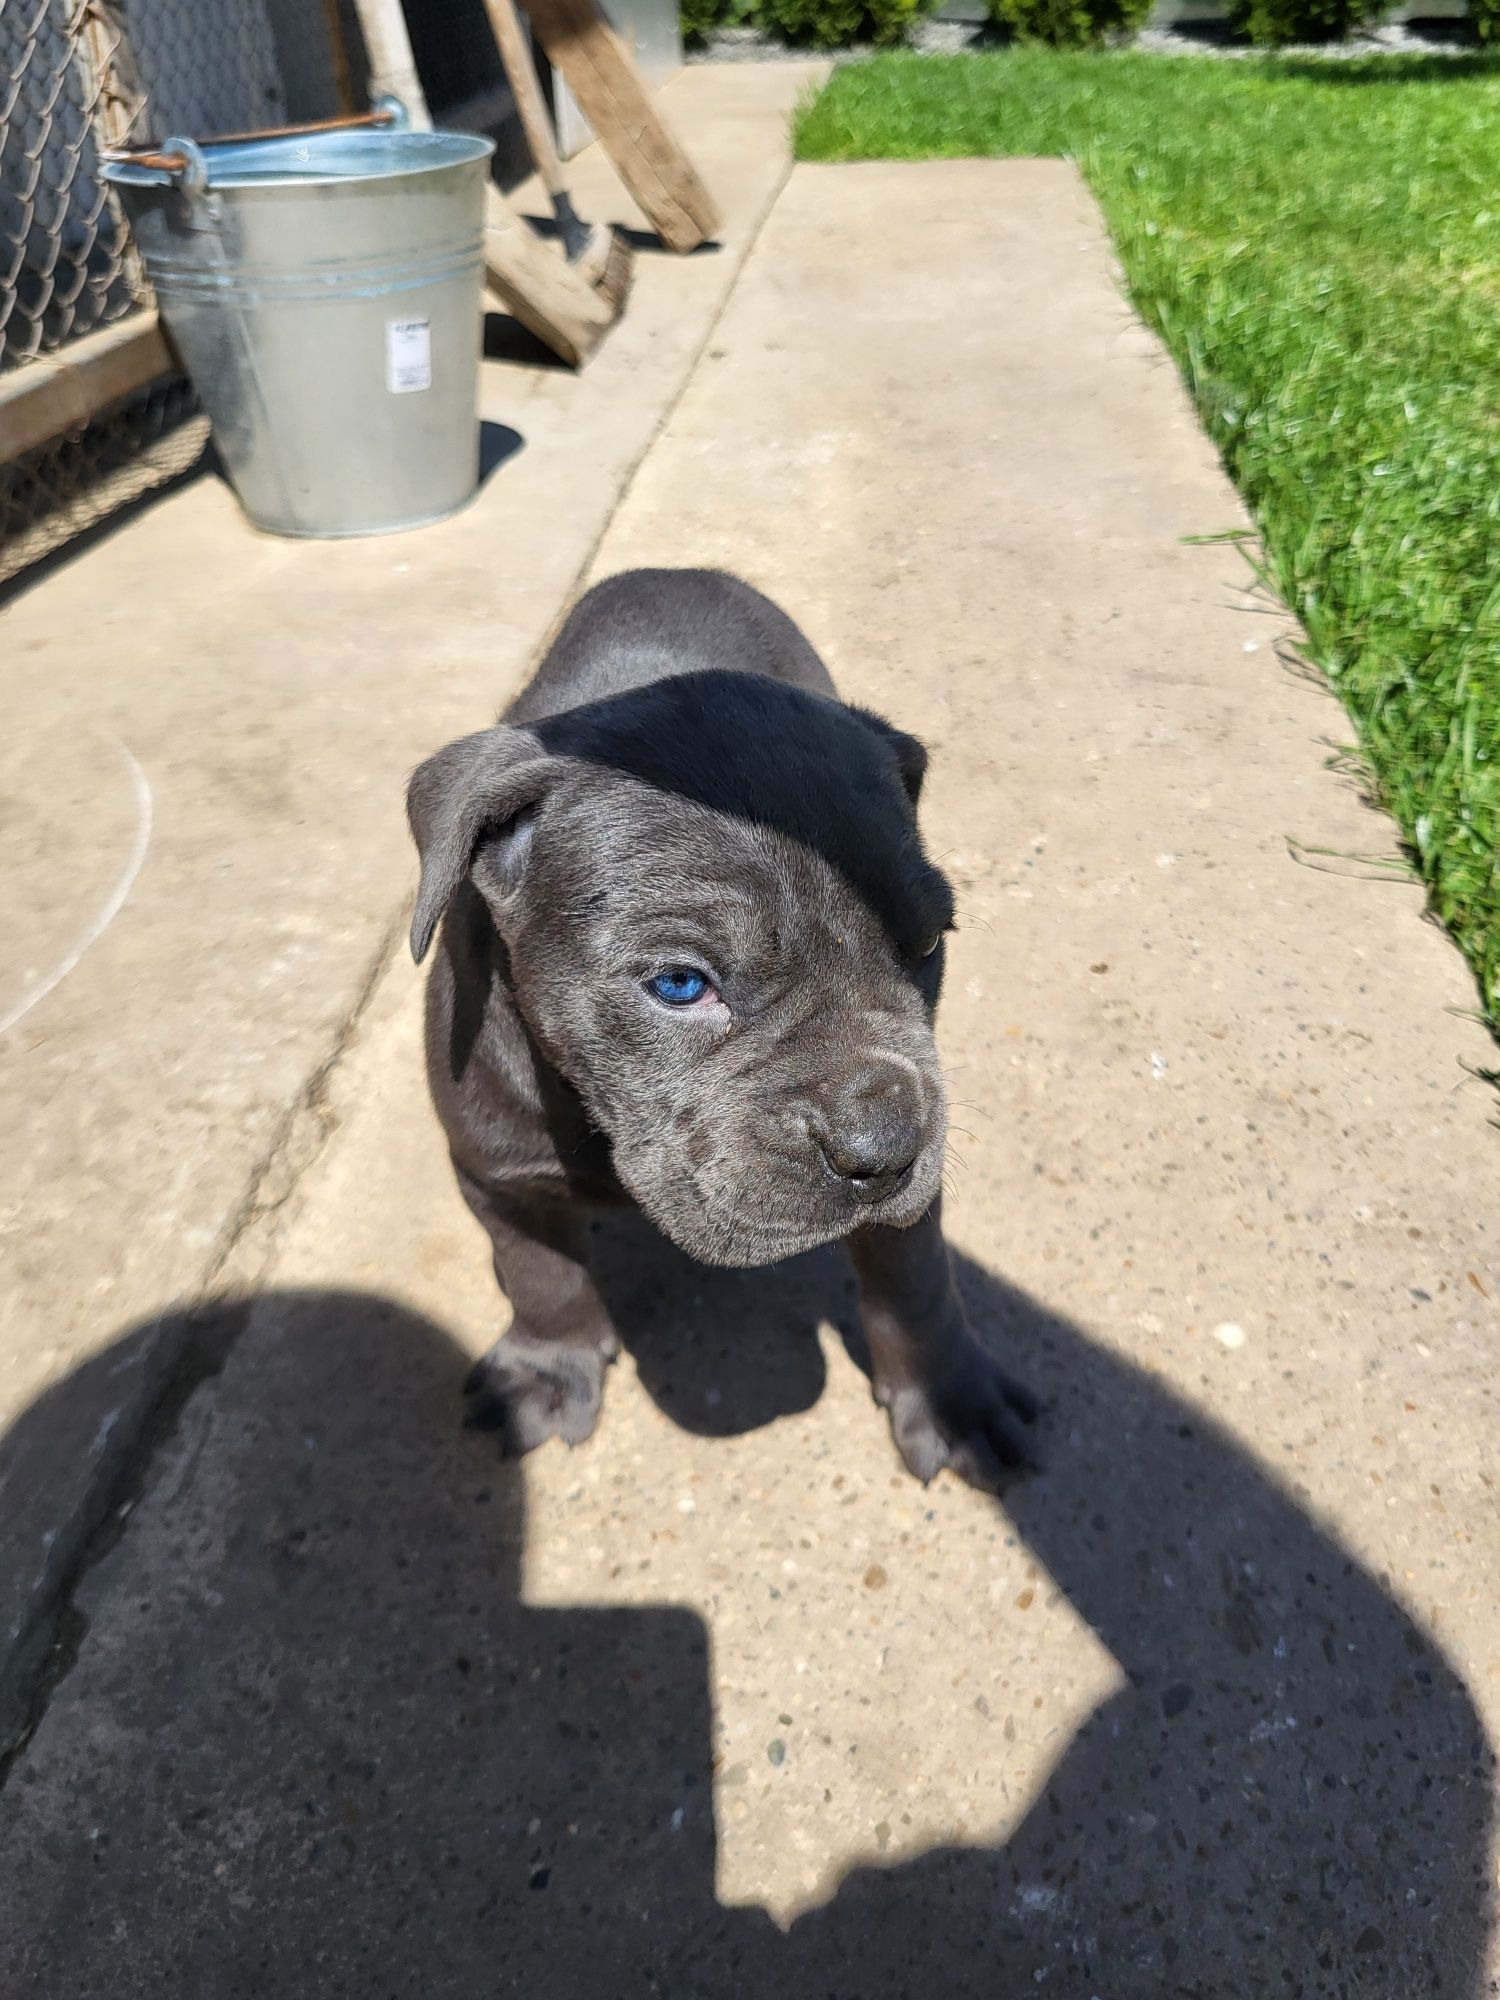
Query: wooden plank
point(548, 295)
point(393, 67)
point(581, 44)
point(106, 51)
point(107, 59)
point(64, 391)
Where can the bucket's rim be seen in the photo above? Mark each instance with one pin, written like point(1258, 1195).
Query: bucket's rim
point(225, 160)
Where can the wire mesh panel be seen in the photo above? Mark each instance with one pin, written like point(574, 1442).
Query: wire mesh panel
point(207, 65)
point(68, 86)
point(50, 496)
point(64, 267)
point(320, 57)
point(455, 52)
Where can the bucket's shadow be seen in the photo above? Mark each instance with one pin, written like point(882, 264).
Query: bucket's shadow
point(498, 444)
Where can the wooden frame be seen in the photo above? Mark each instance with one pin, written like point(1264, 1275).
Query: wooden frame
point(60, 392)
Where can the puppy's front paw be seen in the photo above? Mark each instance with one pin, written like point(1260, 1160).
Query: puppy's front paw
point(530, 1390)
point(969, 1419)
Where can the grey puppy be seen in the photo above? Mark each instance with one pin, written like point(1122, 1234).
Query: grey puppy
point(690, 953)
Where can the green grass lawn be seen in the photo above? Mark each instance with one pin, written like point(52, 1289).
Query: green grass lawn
point(1319, 246)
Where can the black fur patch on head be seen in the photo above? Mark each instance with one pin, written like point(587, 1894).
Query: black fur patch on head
point(800, 764)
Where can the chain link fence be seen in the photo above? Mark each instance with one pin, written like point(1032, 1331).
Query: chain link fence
point(63, 263)
point(77, 76)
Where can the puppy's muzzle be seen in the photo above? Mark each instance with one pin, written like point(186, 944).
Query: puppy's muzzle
point(871, 1134)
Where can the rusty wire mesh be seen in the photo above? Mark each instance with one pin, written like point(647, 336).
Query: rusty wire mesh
point(77, 76)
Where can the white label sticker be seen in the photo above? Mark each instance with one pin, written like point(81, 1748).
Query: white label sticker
point(408, 355)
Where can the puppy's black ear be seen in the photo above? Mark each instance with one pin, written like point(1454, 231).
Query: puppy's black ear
point(911, 758)
point(476, 786)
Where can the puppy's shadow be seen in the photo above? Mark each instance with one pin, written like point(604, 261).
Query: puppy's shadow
point(720, 1352)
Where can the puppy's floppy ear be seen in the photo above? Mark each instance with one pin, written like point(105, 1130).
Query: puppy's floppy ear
point(911, 757)
point(474, 786)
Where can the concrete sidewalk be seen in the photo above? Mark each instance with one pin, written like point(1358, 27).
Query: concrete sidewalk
point(722, 1703)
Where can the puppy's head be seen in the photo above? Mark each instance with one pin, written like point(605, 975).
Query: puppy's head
point(722, 930)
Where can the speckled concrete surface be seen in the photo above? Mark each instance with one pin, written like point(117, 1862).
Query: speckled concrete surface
point(722, 1703)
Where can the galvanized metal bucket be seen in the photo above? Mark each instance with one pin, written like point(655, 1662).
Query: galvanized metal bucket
point(323, 289)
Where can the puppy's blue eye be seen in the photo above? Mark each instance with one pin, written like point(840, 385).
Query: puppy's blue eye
point(678, 986)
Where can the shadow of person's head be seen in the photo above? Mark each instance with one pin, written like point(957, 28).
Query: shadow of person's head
point(1291, 1793)
point(314, 1740)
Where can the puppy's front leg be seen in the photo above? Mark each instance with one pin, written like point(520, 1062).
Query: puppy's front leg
point(949, 1402)
point(544, 1377)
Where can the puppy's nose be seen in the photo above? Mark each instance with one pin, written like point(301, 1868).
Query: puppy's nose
point(874, 1152)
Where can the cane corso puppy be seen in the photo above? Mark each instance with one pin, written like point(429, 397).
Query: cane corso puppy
point(690, 952)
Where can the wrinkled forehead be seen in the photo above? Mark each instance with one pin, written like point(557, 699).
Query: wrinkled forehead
point(639, 857)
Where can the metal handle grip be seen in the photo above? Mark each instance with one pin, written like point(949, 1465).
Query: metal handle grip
point(385, 111)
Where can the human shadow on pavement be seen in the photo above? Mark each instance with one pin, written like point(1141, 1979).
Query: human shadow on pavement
point(315, 1743)
point(1292, 1792)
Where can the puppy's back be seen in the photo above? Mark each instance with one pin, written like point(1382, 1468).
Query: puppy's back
point(648, 625)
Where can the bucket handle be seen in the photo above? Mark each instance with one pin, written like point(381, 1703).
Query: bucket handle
point(184, 157)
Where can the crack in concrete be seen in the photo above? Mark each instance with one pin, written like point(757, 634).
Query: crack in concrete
point(244, 1243)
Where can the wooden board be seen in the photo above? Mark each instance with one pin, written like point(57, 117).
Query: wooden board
point(548, 295)
point(64, 391)
point(393, 67)
point(581, 44)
